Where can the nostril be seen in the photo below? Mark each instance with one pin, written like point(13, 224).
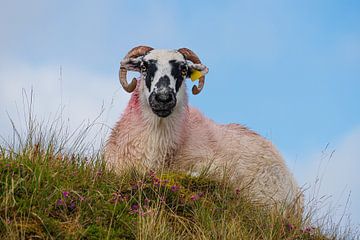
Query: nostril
point(158, 98)
point(164, 98)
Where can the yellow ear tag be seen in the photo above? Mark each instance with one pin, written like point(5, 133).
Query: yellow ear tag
point(195, 75)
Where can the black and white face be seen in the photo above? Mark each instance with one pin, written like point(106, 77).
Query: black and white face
point(163, 73)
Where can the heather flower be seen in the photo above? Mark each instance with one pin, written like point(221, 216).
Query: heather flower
point(195, 197)
point(134, 208)
point(134, 186)
point(289, 227)
point(156, 182)
point(117, 197)
point(175, 188)
point(65, 194)
point(60, 202)
point(72, 206)
point(308, 230)
point(137, 185)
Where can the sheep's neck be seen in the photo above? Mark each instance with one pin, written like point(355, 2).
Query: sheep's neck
point(160, 137)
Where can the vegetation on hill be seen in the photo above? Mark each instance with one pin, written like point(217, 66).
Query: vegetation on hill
point(50, 191)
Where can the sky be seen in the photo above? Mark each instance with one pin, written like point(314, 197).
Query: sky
point(289, 70)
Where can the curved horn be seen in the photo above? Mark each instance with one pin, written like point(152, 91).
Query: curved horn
point(191, 56)
point(133, 53)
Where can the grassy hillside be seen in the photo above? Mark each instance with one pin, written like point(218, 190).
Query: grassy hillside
point(49, 193)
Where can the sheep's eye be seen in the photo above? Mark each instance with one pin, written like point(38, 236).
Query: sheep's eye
point(184, 72)
point(143, 68)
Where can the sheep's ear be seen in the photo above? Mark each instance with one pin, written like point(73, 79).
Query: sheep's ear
point(196, 71)
point(131, 64)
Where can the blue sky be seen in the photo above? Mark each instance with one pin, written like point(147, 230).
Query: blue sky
point(289, 70)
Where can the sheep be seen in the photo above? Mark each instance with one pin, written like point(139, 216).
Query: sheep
point(158, 129)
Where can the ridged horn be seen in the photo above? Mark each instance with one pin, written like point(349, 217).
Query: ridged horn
point(133, 53)
point(191, 56)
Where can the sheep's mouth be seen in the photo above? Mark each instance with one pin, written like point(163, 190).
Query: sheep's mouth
point(162, 113)
point(162, 110)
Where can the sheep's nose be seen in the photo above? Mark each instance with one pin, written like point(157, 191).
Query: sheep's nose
point(164, 97)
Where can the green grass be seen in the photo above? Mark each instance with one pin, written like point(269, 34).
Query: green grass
point(47, 195)
point(50, 191)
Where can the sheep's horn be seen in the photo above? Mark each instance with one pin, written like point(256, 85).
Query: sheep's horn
point(191, 56)
point(133, 53)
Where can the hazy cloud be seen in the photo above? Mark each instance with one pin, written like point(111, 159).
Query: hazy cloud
point(81, 94)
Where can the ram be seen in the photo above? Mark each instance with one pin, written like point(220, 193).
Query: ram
point(160, 130)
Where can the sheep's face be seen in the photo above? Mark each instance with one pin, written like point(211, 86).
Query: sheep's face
point(163, 73)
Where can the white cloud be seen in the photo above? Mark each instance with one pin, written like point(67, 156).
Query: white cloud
point(334, 173)
point(83, 94)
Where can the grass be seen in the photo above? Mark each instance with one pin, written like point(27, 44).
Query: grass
point(47, 195)
point(52, 190)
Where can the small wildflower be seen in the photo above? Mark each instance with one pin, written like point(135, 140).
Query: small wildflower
point(137, 185)
point(156, 182)
point(99, 173)
point(72, 206)
point(60, 202)
point(308, 230)
point(134, 186)
point(117, 197)
point(165, 181)
point(195, 197)
point(175, 188)
point(237, 191)
point(289, 227)
point(146, 201)
point(81, 198)
point(65, 194)
point(134, 208)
